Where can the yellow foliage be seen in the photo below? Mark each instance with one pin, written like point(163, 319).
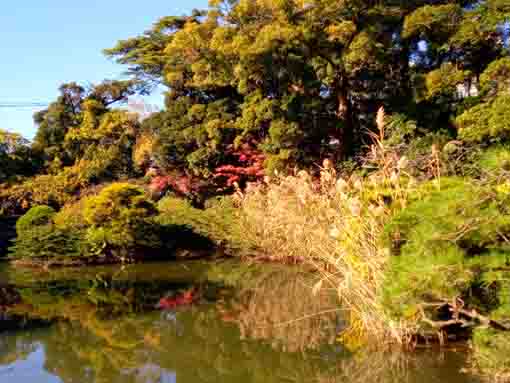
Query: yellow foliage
point(144, 148)
point(341, 32)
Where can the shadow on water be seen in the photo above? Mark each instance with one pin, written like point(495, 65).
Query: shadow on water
point(244, 324)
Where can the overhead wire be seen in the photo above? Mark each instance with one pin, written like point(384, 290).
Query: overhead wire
point(22, 104)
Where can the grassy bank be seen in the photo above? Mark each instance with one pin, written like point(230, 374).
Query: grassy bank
point(415, 241)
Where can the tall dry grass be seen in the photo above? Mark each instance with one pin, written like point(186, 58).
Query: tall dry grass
point(336, 224)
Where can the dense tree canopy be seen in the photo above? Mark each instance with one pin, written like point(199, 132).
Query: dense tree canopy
point(81, 141)
point(78, 119)
point(302, 80)
point(257, 85)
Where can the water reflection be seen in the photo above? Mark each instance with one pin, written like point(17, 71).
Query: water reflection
point(277, 306)
point(28, 369)
point(249, 324)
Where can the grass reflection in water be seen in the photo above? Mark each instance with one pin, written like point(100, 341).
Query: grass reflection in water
point(101, 325)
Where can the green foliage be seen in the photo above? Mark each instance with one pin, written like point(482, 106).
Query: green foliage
point(80, 140)
point(431, 20)
point(43, 189)
point(288, 97)
point(491, 349)
point(399, 130)
point(191, 135)
point(38, 237)
point(36, 216)
point(47, 242)
point(496, 77)
point(54, 122)
point(145, 53)
point(486, 121)
point(16, 158)
point(117, 224)
point(341, 32)
point(444, 81)
point(119, 219)
point(363, 53)
point(98, 164)
point(449, 244)
point(434, 274)
point(66, 128)
point(217, 221)
point(294, 78)
point(495, 159)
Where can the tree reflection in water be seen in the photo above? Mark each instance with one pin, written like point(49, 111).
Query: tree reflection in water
point(246, 327)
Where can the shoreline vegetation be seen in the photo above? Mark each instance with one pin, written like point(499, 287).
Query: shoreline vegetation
point(370, 143)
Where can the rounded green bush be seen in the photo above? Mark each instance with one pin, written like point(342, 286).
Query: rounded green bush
point(120, 217)
point(35, 217)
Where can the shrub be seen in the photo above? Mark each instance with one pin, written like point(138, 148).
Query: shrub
point(120, 220)
point(486, 121)
point(116, 223)
point(38, 237)
point(47, 242)
point(70, 217)
point(496, 77)
point(217, 221)
point(450, 254)
point(36, 216)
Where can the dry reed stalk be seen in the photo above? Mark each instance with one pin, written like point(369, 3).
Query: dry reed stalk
point(336, 228)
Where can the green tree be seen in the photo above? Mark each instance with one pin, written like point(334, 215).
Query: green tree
point(76, 106)
point(16, 158)
point(302, 79)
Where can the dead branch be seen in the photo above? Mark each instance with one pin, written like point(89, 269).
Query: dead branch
point(460, 316)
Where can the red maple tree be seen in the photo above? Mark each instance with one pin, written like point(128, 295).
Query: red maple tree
point(248, 165)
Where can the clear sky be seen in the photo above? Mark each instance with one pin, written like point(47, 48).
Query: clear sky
point(49, 42)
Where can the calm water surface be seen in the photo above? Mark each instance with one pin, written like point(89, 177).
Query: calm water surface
point(246, 324)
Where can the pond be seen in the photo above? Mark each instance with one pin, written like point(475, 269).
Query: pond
point(190, 322)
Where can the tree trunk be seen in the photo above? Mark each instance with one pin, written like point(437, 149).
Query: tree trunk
point(346, 133)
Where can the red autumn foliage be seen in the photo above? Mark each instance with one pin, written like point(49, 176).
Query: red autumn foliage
point(184, 299)
point(180, 184)
point(248, 165)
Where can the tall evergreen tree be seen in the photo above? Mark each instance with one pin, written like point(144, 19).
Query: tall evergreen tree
point(301, 80)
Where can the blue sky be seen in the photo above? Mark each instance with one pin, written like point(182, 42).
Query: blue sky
point(48, 42)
